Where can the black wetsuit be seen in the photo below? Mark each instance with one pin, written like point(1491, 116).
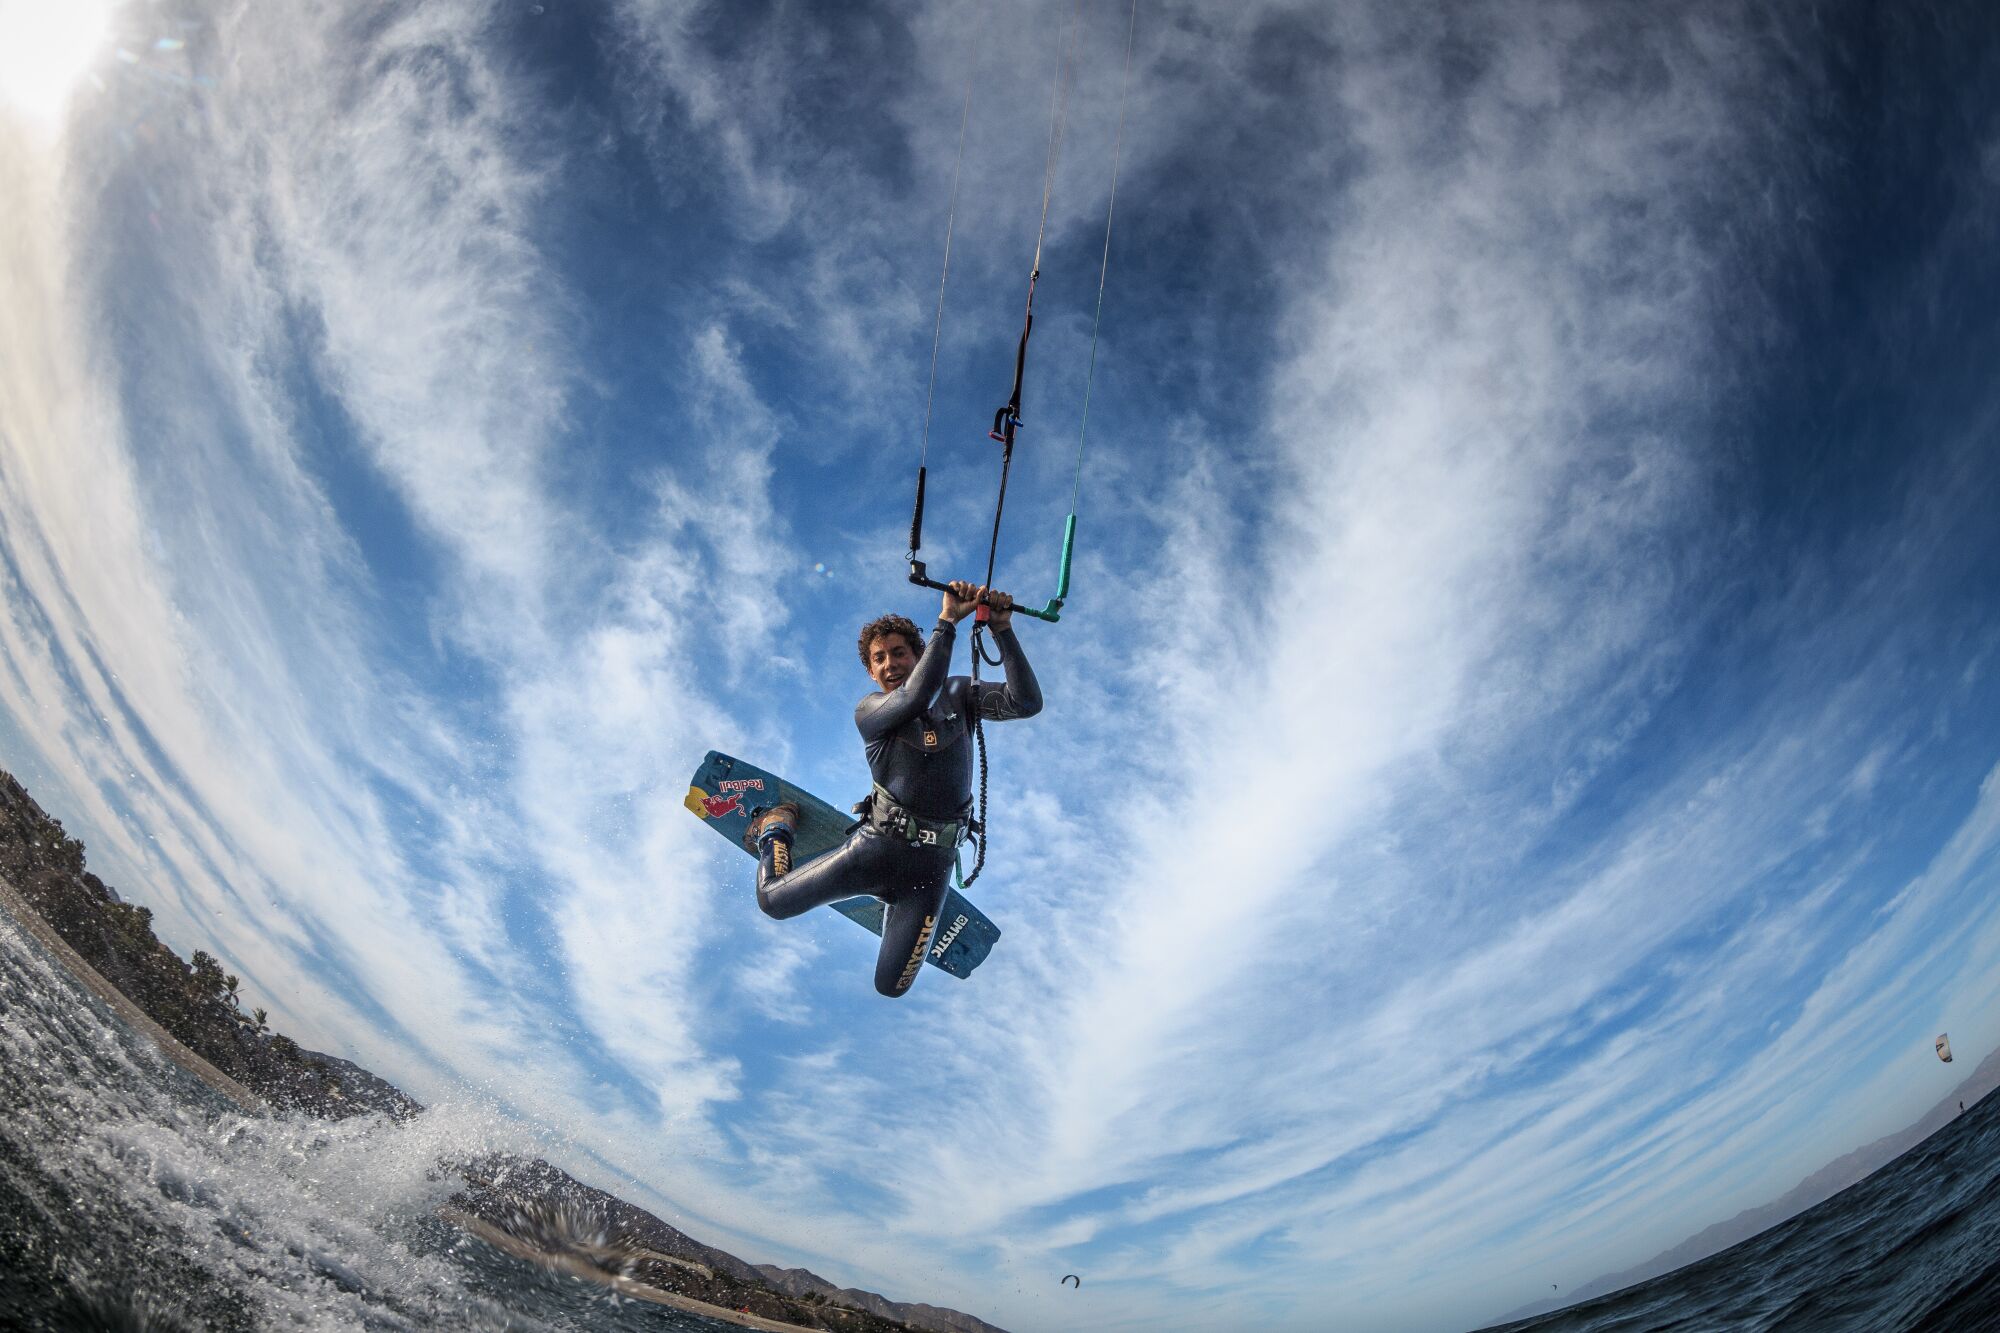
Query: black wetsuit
point(920, 751)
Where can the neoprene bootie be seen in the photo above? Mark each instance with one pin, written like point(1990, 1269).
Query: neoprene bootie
point(772, 831)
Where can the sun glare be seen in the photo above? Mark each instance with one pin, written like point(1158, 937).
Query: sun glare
point(46, 46)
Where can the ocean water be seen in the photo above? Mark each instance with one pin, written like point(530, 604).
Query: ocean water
point(133, 1197)
point(1914, 1246)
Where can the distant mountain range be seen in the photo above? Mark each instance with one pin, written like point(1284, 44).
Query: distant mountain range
point(542, 1205)
point(801, 1282)
point(1821, 1185)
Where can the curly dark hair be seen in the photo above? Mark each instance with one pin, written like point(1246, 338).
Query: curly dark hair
point(881, 625)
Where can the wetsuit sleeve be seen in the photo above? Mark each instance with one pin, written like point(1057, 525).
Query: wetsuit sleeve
point(879, 714)
point(1020, 695)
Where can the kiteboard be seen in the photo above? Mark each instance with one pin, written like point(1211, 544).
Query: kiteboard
point(725, 792)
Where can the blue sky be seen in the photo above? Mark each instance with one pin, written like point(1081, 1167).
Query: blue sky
point(1518, 779)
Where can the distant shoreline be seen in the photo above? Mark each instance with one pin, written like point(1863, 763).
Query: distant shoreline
point(39, 930)
point(480, 1229)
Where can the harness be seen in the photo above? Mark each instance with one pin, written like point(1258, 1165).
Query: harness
point(883, 813)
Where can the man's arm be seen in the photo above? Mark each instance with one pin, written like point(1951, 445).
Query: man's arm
point(1019, 695)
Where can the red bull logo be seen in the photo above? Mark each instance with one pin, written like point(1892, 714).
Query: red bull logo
point(728, 803)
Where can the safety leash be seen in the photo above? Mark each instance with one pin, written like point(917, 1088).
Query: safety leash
point(979, 738)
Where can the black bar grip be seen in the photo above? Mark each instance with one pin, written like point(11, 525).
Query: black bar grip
point(1051, 613)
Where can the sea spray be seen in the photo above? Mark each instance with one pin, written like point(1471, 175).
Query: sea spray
point(134, 1196)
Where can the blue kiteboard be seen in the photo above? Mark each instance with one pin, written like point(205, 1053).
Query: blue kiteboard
point(726, 792)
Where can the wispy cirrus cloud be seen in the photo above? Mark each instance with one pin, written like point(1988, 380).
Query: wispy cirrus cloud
point(353, 216)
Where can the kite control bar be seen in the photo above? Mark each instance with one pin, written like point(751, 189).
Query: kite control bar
point(1051, 611)
point(1005, 422)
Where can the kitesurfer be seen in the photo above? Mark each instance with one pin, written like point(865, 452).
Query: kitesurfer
point(917, 730)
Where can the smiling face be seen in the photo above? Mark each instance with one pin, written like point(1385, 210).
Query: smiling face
point(890, 660)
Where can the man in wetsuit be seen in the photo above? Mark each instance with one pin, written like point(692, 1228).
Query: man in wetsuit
point(918, 733)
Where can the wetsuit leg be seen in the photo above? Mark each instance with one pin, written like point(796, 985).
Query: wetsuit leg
point(859, 865)
point(911, 920)
point(911, 880)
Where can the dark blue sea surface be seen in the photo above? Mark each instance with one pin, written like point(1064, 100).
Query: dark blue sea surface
point(1914, 1246)
point(133, 1197)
